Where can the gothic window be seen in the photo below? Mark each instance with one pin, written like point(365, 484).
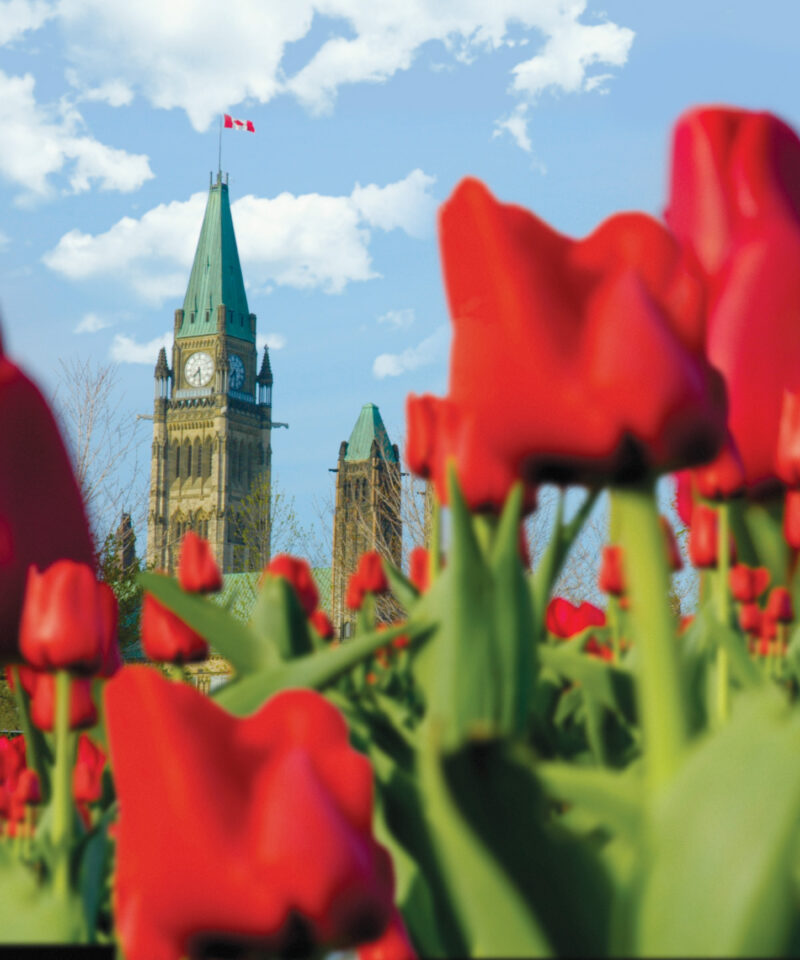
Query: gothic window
point(207, 458)
point(187, 459)
point(234, 460)
point(177, 460)
point(198, 458)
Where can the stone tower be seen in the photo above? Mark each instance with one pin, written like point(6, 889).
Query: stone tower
point(367, 512)
point(211, 453)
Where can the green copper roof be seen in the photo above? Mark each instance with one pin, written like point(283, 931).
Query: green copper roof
point(369, 427)
point(238, 594)
point(216, 276)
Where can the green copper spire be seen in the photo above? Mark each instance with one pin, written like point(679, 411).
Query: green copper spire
point(216, 276)
point(369, 427)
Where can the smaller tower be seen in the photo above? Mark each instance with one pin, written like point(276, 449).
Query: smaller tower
point(367, 511)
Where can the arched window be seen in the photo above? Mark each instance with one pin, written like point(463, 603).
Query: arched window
point(177, 449)
point(198, 457)
point(207, 458)
point(186, 459)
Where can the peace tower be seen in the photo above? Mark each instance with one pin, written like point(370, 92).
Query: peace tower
point(211, 456)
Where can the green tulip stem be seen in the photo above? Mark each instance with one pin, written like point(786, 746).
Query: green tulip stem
point(435, 547)
point(723, 607)
point(63, 813)
point(613, 621)
point(659, 689)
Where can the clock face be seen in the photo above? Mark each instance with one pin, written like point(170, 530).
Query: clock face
point(236, 371)
point(199, 369)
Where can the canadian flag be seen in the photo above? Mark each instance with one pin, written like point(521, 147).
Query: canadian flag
point(231, 123)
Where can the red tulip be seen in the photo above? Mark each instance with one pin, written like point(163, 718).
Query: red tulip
point(394, 944)
point(787, 456)
point(321, 622)
point(12, 760)
point(552, 339)
point(747, 584)
point(599, 650)
point(87, 775)
point(612, 577)
point(703, 538)
point(28, 790)
point(791, 519)
point(779, 606)
point(684, 496)
point(299, 575)
point(41, 515)
point(685, 622)
point(165, 637)
point(563, 619)
point(370, 573)
point(734, 203)
point(723, 477)
point(750, 617)
point(419, 568)
point(197, 569)
point(112, 658)
point(63, 623)
point(82, 710)
point(674, 560)
point(354, 596)
point(282, 802)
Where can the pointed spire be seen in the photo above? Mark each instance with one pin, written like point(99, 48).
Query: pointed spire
point(216, 279)
point(369, 437)
point(265, 373)
point(162, 368)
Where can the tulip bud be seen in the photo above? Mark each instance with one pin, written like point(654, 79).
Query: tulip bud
point(791, 519)
point(354, 597)
point(63, 618)
point(747, 583)
point(370, 572)
point(779, 606)
point(28, 790)
point(563, 619)
point(299, 575)
point(723, 478)
point(320, 621)
point(750, 617)
point(684, 497)
point(165, 637)
point(703, 538)
point(197, 570)
point(612, 577)
point(82, 710)
point(787, 455)
point(419, 568)
point(112, 658)
point(87, 775)
point(674, 560)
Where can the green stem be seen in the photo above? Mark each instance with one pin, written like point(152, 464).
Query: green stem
point(613, 622)
point(435, 548)
point(723, 606)
point(485, 526)
point(33, 739)
point(63, 814)
point(659, 686)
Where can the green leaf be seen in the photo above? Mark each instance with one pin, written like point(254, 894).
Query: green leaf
point(496, 917)
point(245, 694)
point(723, 840)
point(615, 798)
point(94, 868)
point(29, 910)
point(240, 646)
point(609, 684)
point(279, 621)
point(403, 589)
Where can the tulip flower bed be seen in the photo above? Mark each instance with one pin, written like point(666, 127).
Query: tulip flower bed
point(501, 773)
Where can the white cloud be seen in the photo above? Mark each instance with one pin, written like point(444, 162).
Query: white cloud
point(398, 318)
point(91, 323)
point(5, 240)
point(430, 350)
point(275, 341)
point(516, 124)
point(17, 17)
point(152, 47)
point(113, 92)
point(306, 241)
point(571, 48)
point(127, 350)
point(40, 141)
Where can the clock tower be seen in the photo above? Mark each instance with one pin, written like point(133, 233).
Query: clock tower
point(211, 455)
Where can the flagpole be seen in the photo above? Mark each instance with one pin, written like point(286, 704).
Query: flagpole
point(219, 157)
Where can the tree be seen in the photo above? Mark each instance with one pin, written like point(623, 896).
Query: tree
point(102, 438)
point(268, 524)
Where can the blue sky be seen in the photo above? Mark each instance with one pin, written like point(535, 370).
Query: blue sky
point(367, 114)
